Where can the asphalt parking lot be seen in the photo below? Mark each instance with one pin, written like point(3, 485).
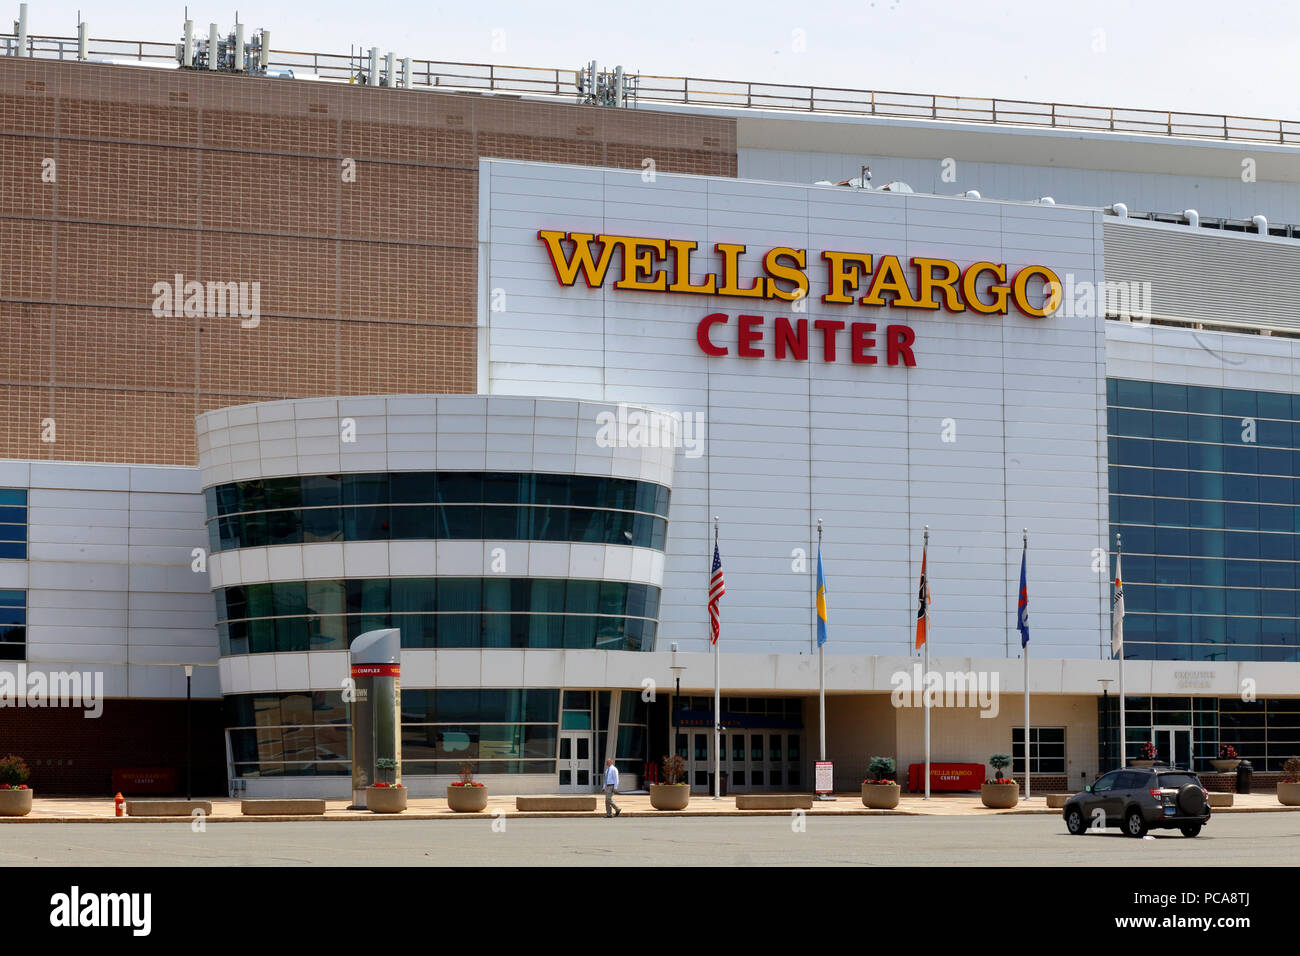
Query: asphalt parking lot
point(1257, 839)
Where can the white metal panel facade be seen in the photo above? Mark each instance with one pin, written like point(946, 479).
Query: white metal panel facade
point(109, 575)
point(859, 446)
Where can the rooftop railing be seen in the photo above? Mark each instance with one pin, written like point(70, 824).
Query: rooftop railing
point(743, 94)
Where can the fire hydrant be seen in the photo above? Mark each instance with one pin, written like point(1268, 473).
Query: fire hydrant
point(118, 803)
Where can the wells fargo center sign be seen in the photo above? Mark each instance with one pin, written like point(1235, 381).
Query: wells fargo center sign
point(864, 280)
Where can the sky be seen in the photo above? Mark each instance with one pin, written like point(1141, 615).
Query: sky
point(1210, 57)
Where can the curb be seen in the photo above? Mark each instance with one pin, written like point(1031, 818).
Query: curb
point(354, 816)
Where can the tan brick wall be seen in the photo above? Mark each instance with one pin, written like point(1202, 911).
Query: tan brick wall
point(367, 286)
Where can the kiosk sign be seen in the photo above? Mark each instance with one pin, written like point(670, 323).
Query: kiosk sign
point(824, 776)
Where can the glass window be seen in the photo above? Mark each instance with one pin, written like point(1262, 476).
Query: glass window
point(1273, 404)
point(413, 487)
point(1239, 403)
point(1133, 422)
point(289, 598)
point(1204, 428)
point(1205, 457)
point(1208, 400)
point(1133, 394)
point(1169, 397)
point(1106, 782)
point(1169, 425)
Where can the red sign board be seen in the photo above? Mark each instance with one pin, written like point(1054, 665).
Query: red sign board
point(376, 670)
point(144, 780)
point(945, 776)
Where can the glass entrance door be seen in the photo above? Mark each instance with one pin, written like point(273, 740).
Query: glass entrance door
point(1173, 745)
point(755, 761)
point(576, 772)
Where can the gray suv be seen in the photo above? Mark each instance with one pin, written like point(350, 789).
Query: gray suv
point(1138, 799)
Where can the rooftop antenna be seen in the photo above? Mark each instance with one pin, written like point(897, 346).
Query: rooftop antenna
point(21, 29)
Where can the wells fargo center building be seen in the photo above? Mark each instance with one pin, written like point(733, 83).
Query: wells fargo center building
point(504, 379)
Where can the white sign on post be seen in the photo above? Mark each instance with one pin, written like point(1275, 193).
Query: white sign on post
point(825, 776)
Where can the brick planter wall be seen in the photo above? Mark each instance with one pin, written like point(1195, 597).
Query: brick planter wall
point(1227, 782)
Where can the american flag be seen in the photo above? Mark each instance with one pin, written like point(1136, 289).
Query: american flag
point(716, 589)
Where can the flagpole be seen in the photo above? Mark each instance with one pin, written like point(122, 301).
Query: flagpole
point(821, 662)
point(1024, 536)
point(925, 676)
point(717, 699)
point(1123, 718)
point(819, 627)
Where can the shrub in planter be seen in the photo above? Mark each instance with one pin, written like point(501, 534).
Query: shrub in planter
point(673, 793)
point(1288, 788)
point(467, 795)
point(1000, 793)
point(384, 797)
point(880, 791)
point(15, 796)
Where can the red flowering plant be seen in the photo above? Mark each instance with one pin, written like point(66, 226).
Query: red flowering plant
point(1227, 752)
point(1149, 751)
point(14, 773)
point(466, 771)
point(385, 785)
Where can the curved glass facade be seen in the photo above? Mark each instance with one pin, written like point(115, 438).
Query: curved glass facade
point(1203, 489)
point(438, 612)
point(307, 733)
point(446, 505)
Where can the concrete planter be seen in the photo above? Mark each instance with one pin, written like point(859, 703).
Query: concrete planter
point(1000, 796)
point(1141, 763)
point(880, 796)
point(1225, 766)
point(15, 803)
point(669, 796)
point(1288, 794)
point(467, 799)
point(385, 799)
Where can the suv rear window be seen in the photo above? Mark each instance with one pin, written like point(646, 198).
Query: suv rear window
point(1176, 781)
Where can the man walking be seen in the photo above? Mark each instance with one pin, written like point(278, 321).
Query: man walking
point(611, 784)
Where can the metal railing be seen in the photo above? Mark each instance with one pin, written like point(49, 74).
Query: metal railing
point(743, 94)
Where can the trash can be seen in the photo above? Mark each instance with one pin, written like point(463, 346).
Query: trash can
point(723, 791)
point(1244, 771)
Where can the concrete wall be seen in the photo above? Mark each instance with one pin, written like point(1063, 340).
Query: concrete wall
point(858, 727)
point(960, 735)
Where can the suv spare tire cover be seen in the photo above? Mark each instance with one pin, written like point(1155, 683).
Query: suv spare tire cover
point(1191, 800)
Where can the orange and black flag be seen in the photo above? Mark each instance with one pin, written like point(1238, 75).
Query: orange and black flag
point(922, 606)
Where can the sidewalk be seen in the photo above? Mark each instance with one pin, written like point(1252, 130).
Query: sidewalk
point(225, 809)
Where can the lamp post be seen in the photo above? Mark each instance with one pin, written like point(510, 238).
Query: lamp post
point(189, 736)
point(672, 708)
point(1105, 714)
point(677, 671)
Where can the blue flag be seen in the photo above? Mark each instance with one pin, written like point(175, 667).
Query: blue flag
point(1022, 608)
point(821, 600)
